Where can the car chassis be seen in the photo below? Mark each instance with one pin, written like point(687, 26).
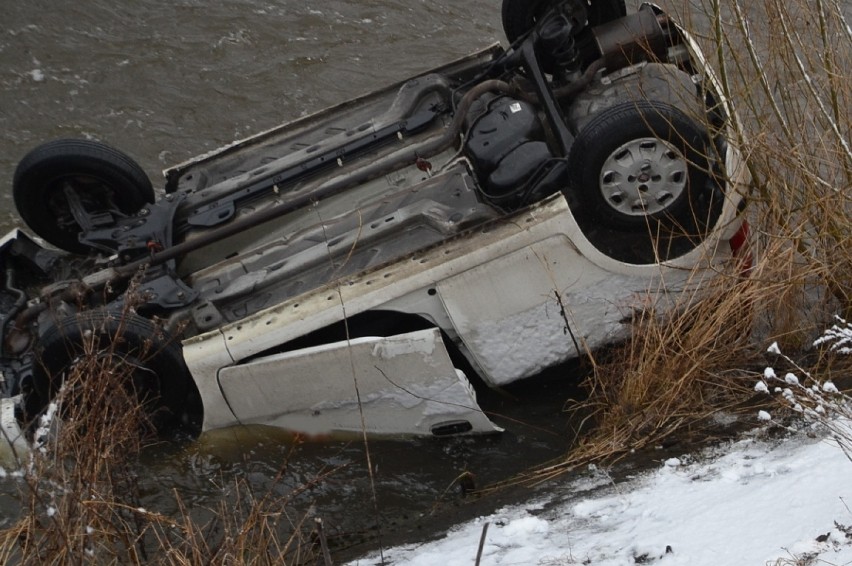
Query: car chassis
point(347, 271)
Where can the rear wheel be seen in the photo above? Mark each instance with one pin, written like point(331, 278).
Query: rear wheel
point(627, 187)
point(642, 163)
point(103, 180)
point(519, 16)
point(112, 362)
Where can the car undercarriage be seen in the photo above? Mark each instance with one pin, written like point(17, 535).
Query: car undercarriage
point(496, 216)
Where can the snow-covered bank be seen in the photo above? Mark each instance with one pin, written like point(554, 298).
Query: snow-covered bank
point(753, 502)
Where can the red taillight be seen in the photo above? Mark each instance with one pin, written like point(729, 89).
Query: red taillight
point(741, 246)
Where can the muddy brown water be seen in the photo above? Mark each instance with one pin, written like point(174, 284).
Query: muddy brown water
point(165, 81)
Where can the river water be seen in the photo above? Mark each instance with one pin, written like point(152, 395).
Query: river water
point(164, 81)
point(167, 80)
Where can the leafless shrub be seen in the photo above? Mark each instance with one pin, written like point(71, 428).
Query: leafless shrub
point(814, 401)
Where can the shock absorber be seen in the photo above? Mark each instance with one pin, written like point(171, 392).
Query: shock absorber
point(557, 47)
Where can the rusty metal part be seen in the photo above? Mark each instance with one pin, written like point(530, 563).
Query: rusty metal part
point(18, 337)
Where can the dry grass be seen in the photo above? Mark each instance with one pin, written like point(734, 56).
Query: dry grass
point(81, 499)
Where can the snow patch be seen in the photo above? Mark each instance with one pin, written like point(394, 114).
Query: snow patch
point(756, 503)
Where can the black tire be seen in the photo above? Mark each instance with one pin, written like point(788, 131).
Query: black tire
point(519, 16)
point(104, 179)
point(149, 362)
point(641, 165)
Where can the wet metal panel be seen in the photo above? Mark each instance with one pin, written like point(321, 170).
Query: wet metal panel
point(545, 304)
point(403, 384)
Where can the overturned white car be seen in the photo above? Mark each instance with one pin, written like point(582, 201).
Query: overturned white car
point(360, 267)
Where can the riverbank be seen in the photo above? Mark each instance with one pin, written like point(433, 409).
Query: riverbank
point(757, 500)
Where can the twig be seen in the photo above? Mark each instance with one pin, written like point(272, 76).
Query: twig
point(481, 543)
point(326, 555)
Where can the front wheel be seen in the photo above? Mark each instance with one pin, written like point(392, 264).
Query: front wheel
point(110, 363)
point(101, 179)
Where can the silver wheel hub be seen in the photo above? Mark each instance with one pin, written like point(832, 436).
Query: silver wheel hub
point(643, 177)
